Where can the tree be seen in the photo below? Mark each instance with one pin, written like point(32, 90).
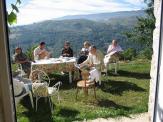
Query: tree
point(12, 17)
point(143, 31)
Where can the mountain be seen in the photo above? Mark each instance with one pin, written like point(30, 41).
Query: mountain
point(55, 32)
point(105, 16)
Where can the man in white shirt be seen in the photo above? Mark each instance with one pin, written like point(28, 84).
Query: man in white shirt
point(40, 52)
point(113, 49)
point(93, 62)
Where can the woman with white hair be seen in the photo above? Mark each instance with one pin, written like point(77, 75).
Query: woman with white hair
point(84, 52)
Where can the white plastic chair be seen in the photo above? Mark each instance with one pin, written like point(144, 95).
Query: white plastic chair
point(41, 87)
point(20, 91)
point(113, 60)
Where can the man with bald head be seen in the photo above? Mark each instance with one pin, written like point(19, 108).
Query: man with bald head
point(113, 49)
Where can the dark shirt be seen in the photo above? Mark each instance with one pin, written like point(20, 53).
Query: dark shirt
point(67, 52)
point(22, 57)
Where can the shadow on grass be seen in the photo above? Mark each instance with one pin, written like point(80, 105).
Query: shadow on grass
point(64, 79)
point(118, 87)
point(136, 75)
point(110, 104)
point(65, 112)
point(43, 113)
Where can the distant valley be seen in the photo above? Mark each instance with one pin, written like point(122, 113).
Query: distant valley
point(99, 29)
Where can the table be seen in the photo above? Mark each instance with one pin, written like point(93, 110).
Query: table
point(65, 64)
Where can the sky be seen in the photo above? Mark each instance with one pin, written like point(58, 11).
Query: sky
point(32, 11)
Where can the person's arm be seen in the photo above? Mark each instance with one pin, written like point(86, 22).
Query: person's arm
point(71, 53)
point(86, 62)
point(21, 62)
point(25, 58)
point(35, 53)
point(16, 60)
point(109, 49)
point(63, 52)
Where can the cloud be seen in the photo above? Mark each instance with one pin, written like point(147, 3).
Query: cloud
point(39, 10)
point(135, 2)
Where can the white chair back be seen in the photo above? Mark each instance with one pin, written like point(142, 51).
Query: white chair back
point(39, 76)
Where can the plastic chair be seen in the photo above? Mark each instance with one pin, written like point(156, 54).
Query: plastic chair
point(42, 88)
point(113, 60)
point(20, 91)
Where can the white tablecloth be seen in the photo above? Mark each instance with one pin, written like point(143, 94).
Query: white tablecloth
point(55, 64)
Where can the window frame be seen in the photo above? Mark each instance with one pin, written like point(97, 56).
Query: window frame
point(160, 57)
point(6, 86)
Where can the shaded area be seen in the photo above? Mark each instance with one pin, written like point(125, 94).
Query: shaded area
point(67, 112)
point(43, 113)
point(110, 104)
point(64, 114)
point(136, 75)
point(55, 77)
point(118, 87)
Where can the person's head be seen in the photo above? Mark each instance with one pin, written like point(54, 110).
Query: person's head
point(114, 42)
point(66, 44)
point(42, 45)
point(87, 44)
point(92, 49)
point(18, 50)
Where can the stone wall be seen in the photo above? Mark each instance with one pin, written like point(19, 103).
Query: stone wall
point(154, 62)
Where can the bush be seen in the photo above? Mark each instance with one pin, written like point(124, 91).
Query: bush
point(145, 54)
point(129, 54)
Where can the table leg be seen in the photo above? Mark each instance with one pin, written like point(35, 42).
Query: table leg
point(116, 65)
point(70, 77)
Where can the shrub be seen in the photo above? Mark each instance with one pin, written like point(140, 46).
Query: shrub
point(146, 54)
point(129, 54)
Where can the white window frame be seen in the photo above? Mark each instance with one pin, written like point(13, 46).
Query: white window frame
point(159, 84)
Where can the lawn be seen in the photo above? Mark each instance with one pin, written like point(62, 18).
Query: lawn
point(119, 95)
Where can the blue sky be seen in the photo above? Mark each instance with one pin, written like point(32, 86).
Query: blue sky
point(39, 10)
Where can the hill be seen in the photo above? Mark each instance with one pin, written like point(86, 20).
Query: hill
point(105, 16)
point(55, 32)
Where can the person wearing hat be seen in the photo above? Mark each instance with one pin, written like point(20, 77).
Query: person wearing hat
point(20, 58)
point(40, 52)
point(67, 51)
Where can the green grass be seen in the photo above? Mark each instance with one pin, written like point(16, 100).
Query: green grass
point(119, 95)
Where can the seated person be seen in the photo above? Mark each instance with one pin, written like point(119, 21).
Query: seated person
point(20, 58)
point(113, 49)
point(84, 52)
point(40, 52)
point(67, 51)
point(93, 62)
